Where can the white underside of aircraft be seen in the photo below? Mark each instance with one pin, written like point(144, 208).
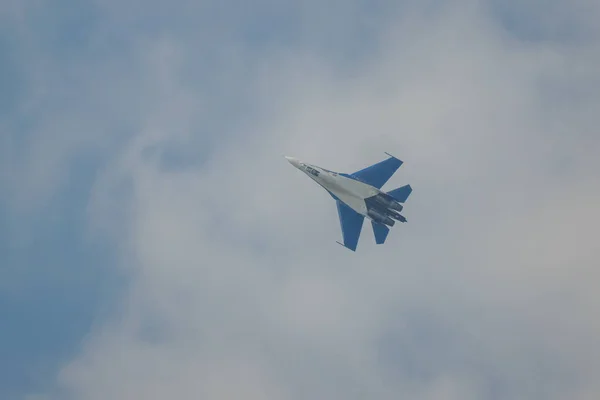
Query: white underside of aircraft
point(350, 191)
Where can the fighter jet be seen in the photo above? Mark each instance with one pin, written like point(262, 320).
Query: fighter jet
point(358, 195)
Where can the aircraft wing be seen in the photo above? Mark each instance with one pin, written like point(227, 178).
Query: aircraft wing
point(351, 223)
point(378, 174)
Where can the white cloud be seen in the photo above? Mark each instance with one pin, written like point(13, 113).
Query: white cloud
point(238, 288)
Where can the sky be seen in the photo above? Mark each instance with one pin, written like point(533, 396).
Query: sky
point(154, 243)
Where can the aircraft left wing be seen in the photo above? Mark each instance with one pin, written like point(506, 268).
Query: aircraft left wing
point(351, 223)
point(378, 174)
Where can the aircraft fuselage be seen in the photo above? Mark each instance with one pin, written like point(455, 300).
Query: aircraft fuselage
point(365, 199)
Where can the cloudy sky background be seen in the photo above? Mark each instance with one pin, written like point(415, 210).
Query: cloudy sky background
point(154, 243)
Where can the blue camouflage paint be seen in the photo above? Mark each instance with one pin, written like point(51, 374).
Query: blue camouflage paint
point(401, 194)
point(380, 231)
point(378, 174)
point(351, 223)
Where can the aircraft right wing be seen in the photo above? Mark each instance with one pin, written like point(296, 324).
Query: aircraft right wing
point(378, 174)
point(351, 223)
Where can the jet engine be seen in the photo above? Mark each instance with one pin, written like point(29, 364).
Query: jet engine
point(381, 218)
point(390, 203)
point(395, 215)
point(394, 205)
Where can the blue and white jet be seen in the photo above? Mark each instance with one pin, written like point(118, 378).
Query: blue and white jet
point(358, 195)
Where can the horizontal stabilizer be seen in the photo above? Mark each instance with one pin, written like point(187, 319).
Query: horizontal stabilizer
point(401, 194)
point(381, 231)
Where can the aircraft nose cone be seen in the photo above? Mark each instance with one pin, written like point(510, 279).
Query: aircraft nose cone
point(295, 162)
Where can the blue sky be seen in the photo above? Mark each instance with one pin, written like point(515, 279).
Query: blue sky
point(55, 283)
point(146, 218)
